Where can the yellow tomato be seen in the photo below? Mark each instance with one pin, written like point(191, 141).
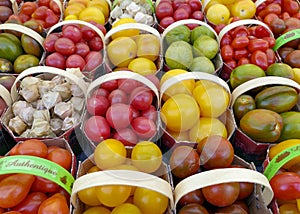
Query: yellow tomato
point(74, 9)
point(127, 32)
point(102, 5)
point(89, 197)
point(288, 209)
point(218, 14)
point(207, 126)
point(146, 156)
point(92, 14)
point(71, 17)
point(83, 2)
point(142, 66)
point(97, 210)
point(113, 195)
point(94, 169)
point(212, 98)
point(180, 112)
point(109, 153)
point(245, 9)
point(126, 208)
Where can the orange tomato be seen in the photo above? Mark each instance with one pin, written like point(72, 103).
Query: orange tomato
point(32, 147)
point(62, 157)
point(57, 203)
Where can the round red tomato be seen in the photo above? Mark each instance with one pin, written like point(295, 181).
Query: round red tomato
point(93, 60)
point(193, 208)
point(141, 98)
point(150, 113)
point(101, 92)
point(195, 5)
point(56, 60)
point(110, 85)
point(126, 136)
point(144, 128)
point(62, 157)
point(96, 44)
point(97, 128)
point(97, 105)
point(180, 14)
point(82, 49)
point(50, 41)
point(195, 196)
point(72, 32)
point(166, 21)
point(64, 46)
point(75, 61)
point(163, 10)
point(119, 115)
point(117, 96)
point(128, 85)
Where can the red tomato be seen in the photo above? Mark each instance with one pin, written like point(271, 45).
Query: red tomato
point(32, 147)
point(222, 195)
point(101, 92)
point(273, 8)
point(233, 208)
point(54, 203)
point(119, 115)
point(231, 64)
point(87, 33)
point(54, 7)
point(260, 59)
point(198, 15)
point(97, 105)
point(290, 6)
point(180, 14)
point(193, 208)
point(226, 40)
point(62, 157)
point(240, 42)
point(195, 5)
point(163, 10)
point(64, 46)
point(82, 49)
point(166, 21)
point(96, 44)
point(43, 2)
point(93, 60)
point(227, 52)
point(269, 18)
point(126, 136)
point(243, 60)
point(240, 53)
point(143, 127)
point(271, 41)
point(186, 7)
point(258, 44)
point(141, 98)
point(150, 113)
point(219, 27)
point(14, 189)
point(40, 12)
point(128, 85)
point(117, 96)
point(44, 185)
point(50, 41)
point(51, 19)
point(110, 85)
point(31, 203)
point(195, 196)
point(239, 31)
point(97, 128)
point(51, 148)
point(75, 61)
point(56, 60)
point(271, 58)
point(72, 32)
point(28, 8)
point(286, 186)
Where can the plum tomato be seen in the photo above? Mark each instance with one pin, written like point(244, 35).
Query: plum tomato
point(119, 115)
point(128, 85)
point(110, 85)
point(141, 98)
point(258, 44)
point(62, 157)
point(186, 7)
point(144, 127)
point(166, 21)
point(101, 92)
point(260, 59)
point(239, 31)
point(193, 208)
point(31, 203)
point(126, 136)
point(54, 203)
point(290, 6)
point(271, 41)
point(198, 15)
point(75, 61)
point(64, 46)
point(215, 152)
point(82, 49)
point(28, 8)
point(97, 105)
point(93, 60)
point(150, 113)
point(117, 96)
point(44, 185)
point(97, 128)
point(239, 53)
point(271, 57)
point(243, 60)
point(184, 161)
point(180, 14)
point(195, 196)
point(195, 5)
point(72, 32)
point(56, 60)
point(50, 41)
point(226, 40)
point(96, 43)
point(231, 64)
point(227, 52)
point(222, 195)
point(33, 147)
point(163, 10)
point(240, 42)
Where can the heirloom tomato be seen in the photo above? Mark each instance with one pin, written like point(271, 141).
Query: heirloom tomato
point(53, 204)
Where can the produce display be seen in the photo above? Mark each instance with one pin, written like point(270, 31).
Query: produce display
point(169, 106)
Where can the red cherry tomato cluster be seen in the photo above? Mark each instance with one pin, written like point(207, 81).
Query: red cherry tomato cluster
point(75, 47)
point(168, 12)
point(245, 45)
point(281, 16)
point(24, 193)
point(122, 109)
point(46, 12)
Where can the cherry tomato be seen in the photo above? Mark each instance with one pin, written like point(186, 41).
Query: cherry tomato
point(222, 195)
point(97, 105)
point(141, 98)
point(231, 64)
point(180, 14)
point(150, 113)
point(43, 2)
point(270, 40)
point(195, 5)
point(54, 7)
point(226, 40)
point(193, 208)
point(163, 10)
point(96, 44)
point(195, 196)
point(273, 8)
point(110, 85)
point(269, 18)
point(119, 115)
point(54, 203)
point(215, 152)
point(50, 41)
point(227, 52)
point(75, 61)
point(128, 85)
point(97, 128)
point(286, 186)
point(51, 19)
point(271, 58)
point(258, 44)
point(233, 208)
point(290, 6)
point(184, 161)
point(101, 92)
point(32, 147)
point(243, 61)
point(113, 195)
point(150, 201)
point(56, 60)
point(166, 21)
point(40, 12)
point(239, 31)
point(117, 96)
point(44, 185)
point(126, 136)
point(240, 53)
point(62, 157)
point(93, 60)
point(240, 42)
point(14, 189)
point(198, 15)
point(186, 7)
point(72, 32)
point(64, 46)
point(31, 203)
point(28, 8)
point(89, 196)
point(87, 33)
point(260, 59)
point(143, 127)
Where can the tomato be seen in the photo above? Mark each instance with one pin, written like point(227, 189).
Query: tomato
point(62, 157)
point(97, 128)
point(290, 6)
point(40, 13)
point(119, 115)
point(215, 152)
point(150, 113)
point(195, 196)
point(31, 203)
point(260, 59)
point(233, 208)
point(54, 7)
point(126, 208)
point(271, 58)
point(101, 92)
point(146, 156)
point(93, 60)
point(180, 14)
point(269, 18)
point(240, 53)
point(184, 161)
point(163, 9)
point(32, 147)
point(56, 60)
point(149, 201)
point(28, 8)
point(231, 64)
point(97, 105)
point(14, 189)
point(286, 186)
point(273, 8)
point(110, 85)
point(288, 208)
point(258, 44)
point(54, 203)
point(195, 4)
point(128, 85)
point(12, 212)
point(271, 41)
point(96, 210)
point(117, 96)
point(51, 18)
point(222, 195)
point(126, 136)
point(113, 195)
point(96, 43)
point(227, 52)
point(75, 61)
point(89, 196)
point(143, 127)
point(166, 21)
point(243, 61)
point(44, 185)
point(72, 32)
point(198, 15)
point(43, 2)
point(193, 208)
point(239, 31)
point(87, 33)
point(50, 41)
point(64, 46)
point(141, 98)
point(186, 7)
point(240, 42)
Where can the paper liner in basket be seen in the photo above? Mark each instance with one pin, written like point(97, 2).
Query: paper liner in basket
point(244, 146)
point(65, 85)
point(217, 60)
point(257, 202)
point(226, 118)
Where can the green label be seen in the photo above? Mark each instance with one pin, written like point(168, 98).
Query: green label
point(37, 166)
point(285, 38)
point(280, 159)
